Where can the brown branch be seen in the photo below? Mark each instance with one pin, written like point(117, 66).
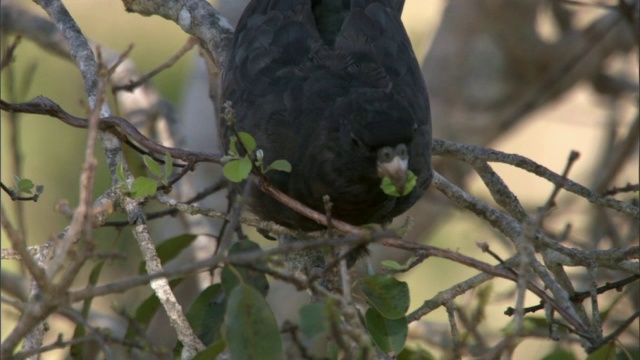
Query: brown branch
point(112, 124)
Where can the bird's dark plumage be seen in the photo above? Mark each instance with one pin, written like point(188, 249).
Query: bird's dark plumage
point(332, 86)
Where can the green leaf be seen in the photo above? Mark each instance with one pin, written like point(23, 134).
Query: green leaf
point(237, 170)
point(280, 165)
point(152, 165)
point(390, 335)
point(393, 265)
point(313, 319)
point(252, 331)
point(120, 172)
point(389, 187)
point(212, 351)
point(170, 249)
point(168, 165)
point(386, 294)
point(143, 186)
point(604, 352)
point(412, 180)
point(25, 186)
point(206, 314)
point(256, 279)
point(248, 141)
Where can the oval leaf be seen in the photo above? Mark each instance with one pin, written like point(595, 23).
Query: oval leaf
point(388, 295)
point(168, 165)
point(248, 141)
point(120, 172)
point(313, 319)
point(393, 265)
point(152, 165)
point(280, 165)
point(206, 314)
point(389, 335)
point(143, 186)
point(237, 170)
point(252, 332)
point(25, 186)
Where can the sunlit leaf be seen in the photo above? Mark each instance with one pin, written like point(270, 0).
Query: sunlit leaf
point(25, 186)
point(143, 186)
point(237, 170)
point(248, 141)
point(393, 265)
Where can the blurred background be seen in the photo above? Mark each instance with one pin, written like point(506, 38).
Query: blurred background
point(532, 77)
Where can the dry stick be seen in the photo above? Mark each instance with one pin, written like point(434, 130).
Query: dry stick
point(30, 326)
point(623, 189)
point(191, 42)
point(582, 295)
point(13, 129)
point(471, 154)
point(84, 58)
point(7, 57)
point(455, 333)
point(561, 277)
point(620, 152)
point(346, 227)
point(14, 194)
point(504, 157)
point(615, 334)
point(467, 153)
point(512, 230)
point(54, 294)
point(573, 157)
point(81, 223)
point(113, 124)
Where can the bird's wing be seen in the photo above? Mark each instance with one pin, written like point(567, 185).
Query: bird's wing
point(273, 38)
point(374, 29)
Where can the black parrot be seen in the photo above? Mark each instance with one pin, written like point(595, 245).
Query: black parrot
point(332, 86)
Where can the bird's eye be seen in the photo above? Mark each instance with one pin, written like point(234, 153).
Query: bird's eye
point(401, 150)
point(386, 154)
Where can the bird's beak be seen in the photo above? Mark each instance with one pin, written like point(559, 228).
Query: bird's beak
point(396, 170)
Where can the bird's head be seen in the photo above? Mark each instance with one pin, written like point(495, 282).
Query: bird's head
point(380, 126)
point(393, 162)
